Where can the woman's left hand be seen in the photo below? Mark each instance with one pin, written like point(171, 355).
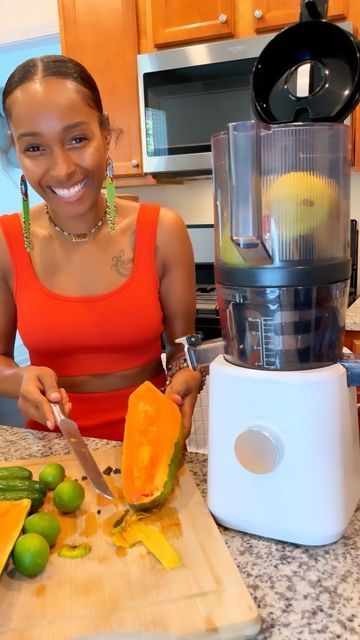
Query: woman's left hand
point(183, 390)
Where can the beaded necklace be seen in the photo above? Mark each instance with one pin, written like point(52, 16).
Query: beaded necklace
point(75, 237)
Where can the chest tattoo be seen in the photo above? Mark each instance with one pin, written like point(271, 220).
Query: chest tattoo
point(122, 263)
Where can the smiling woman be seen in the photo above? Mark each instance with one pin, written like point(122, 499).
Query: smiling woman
point(93, 331)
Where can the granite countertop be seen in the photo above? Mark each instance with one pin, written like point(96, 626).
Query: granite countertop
point(302, 593)
point(352, 322)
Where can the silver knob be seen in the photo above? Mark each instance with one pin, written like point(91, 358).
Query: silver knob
point(258, 14)
point(257, 451)
point(222, 18)
point(134, 163)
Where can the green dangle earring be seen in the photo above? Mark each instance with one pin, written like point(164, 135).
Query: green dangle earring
point(25, 213)
point(110, 196)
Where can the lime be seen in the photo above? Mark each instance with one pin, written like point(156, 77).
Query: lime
point(45, 524)
point(30, 554)
point(74, 550)
point(52, 474)
point(68, 496)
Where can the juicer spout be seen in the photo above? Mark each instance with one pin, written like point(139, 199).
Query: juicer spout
point(351, 362)
point(245, 193)
point(198, 353)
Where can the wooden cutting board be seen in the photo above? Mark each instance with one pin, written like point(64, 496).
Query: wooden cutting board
point(108, 592)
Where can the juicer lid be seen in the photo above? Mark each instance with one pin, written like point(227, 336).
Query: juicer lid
point(314, 57)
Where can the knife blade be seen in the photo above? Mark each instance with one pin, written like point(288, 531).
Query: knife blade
point(71, 432)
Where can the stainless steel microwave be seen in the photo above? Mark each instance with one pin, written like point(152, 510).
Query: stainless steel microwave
point(189, 93)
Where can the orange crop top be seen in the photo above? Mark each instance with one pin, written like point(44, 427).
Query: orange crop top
point(86, 335)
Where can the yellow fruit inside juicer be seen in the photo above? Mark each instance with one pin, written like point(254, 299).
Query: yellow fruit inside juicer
point(300, 202)
point(229, 253)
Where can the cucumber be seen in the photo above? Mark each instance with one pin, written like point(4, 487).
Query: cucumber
point(14, 484)
point(36, 497)
point(15, 472)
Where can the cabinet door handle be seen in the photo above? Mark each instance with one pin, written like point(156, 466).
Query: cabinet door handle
point(134, 163)
point(222, 18)
point(258, 14)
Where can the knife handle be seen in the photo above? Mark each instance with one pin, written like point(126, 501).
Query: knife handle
point(58, 414)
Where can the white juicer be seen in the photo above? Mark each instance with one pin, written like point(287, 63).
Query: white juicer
point(283, 455)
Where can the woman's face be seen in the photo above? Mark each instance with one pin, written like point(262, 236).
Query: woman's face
point(62, 149)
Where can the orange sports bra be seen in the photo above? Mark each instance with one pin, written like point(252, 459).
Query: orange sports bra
point(114, 331)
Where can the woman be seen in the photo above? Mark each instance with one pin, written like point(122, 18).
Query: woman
point(90, 281)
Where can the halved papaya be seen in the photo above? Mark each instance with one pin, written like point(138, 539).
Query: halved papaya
point(12, 518)
point(152, 448)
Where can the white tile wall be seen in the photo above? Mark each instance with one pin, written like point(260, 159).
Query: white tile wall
point(21, 354)
point(198, 440)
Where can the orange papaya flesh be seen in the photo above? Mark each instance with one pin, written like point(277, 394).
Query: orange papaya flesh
point(152, 449)
point(134, 529)
point(12, 517)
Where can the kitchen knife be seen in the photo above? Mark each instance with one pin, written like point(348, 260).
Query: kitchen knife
point(71, 432)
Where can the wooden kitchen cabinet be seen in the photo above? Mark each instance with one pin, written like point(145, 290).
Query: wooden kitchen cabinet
point(352, 341)
point(192, 22)
point(270, 15)
point(181, 21)
point(164, 23)
point(103, 37)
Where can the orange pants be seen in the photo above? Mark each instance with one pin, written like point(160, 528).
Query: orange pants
point(100, 415)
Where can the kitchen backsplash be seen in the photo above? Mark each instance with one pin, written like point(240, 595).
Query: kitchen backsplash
point(193, 198)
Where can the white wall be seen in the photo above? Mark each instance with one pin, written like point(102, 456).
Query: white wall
point(25, 19)
point(193, 199)
point(355, 196)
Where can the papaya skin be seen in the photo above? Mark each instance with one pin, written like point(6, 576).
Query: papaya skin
point(135, 528)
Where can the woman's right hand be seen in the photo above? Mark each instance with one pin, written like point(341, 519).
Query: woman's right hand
point(39, 388)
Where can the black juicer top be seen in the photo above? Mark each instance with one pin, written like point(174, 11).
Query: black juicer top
point(332, 56)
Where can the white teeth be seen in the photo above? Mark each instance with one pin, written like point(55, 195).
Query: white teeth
point(69, 193)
